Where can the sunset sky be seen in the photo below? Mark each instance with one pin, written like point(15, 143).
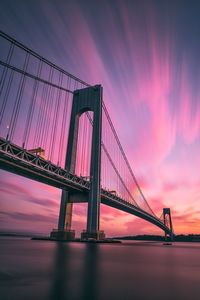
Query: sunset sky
point(146, 56)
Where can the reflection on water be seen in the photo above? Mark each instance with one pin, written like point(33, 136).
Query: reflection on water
point(90, 272)
point(75, 280)
point(59, 278)
point(132, 270)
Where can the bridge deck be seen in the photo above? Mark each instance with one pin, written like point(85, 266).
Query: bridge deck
point(22, 162)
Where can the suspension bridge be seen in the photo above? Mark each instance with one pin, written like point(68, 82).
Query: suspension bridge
point(55, 128)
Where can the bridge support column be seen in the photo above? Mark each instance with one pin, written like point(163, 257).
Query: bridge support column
point(94, 200)
point(64, 231)
point(167, 213)
point(93, 214)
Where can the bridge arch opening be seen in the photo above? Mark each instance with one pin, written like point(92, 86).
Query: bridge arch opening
point(84, 145)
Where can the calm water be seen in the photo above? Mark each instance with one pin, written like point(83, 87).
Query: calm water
point(131, 270)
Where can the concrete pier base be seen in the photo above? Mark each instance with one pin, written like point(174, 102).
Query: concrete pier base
point(62, 235)
point(98, 236)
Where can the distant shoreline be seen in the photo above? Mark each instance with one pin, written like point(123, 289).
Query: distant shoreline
point(12, 234)
point(177, 238)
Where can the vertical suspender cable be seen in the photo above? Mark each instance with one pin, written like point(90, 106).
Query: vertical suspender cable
point(40, 116)
point(5, 70)
point(47, 114)
point(18, 99)
point(32, 107)
point(5, 100)
point(55, 119)
point(2, 82)
point(63, 127)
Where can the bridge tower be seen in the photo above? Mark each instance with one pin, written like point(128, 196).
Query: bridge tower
point(87, 99)
point(168, 222)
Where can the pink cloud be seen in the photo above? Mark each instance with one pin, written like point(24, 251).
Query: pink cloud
point(189, 117)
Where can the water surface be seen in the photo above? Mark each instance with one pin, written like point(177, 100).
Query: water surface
point(131, 270)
